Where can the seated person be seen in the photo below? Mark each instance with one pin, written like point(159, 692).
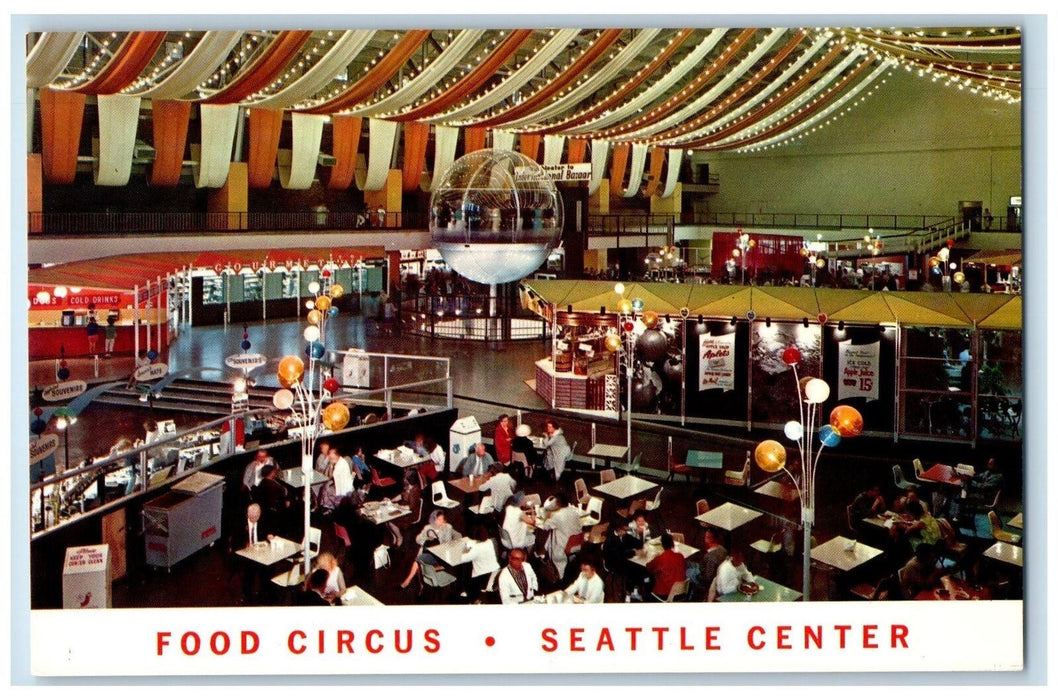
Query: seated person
point(480, 553)
point(668, 568)
point(588, 587)
point(920, 573)
point(335, 587)
point(273, 497)
point(477, 462)
point(313, 592)
point(911, 495)
point(517, 581)
point(980, 489)
point(868, 503)
point(430, 470)
point(638, 531)
point(436, 531)
point(500, 486)
point(922, 528)
point(252, 476)
point(733, 573)
point(523, 445)
point(359, 462)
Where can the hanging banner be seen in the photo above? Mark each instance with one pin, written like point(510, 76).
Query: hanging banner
point(716, 362)
point(858, 370)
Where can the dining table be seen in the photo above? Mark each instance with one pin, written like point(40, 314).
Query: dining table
point(625, 487)
point(381, 512)
point(270, 552)
point(1018, 521)
point(767, 592)
point(729, 516)
point(296, 480)
point(778, 489)
point(943, 474)
point(358, 596)
point(1006, 553)
point(955, 589)
point(402, 459)
point(844, 554)
point(653, 549)
point(607, 452)
point(451, 553)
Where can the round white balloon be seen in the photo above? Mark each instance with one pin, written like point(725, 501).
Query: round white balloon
point(283, 399)
point(312, 333)
point(794, 430)
point(817, 391)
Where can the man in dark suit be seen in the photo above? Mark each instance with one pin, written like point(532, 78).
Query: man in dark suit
point(254, 531)
point(312, 594)
point(274, 499)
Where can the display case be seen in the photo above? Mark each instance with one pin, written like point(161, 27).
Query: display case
point(184, 520)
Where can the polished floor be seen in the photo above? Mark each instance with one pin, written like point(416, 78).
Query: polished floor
point(487, 382)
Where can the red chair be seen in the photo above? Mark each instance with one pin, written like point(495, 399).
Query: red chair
point(678, 468)
point(376, 480)
point(341, 533)
point(574, 543)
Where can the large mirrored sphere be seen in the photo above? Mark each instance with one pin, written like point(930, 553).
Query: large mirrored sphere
point(495, 216)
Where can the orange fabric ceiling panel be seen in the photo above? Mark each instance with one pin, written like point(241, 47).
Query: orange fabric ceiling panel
point(529, 145)
point(130, 59)
point(416, 136)
point(618, 166)
point(574, 71)
point(265, 125)
point(578, 148)
point(284, 48)
point(169, 119)
point(473, 139)
point(61, 114)
point(472, 81)
point(657, 161)
point(375, 78)
point(345, 135)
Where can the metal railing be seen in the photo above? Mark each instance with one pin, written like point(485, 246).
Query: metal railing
point(388, 381)
point(819, 221)
point(468, 317)
point(133, 222)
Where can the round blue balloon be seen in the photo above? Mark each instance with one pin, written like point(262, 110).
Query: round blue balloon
point(751, 314)
point(152, 355)
point(63, 374)
point(315, 350)
point(246, 345)
point(37, 426)
point(637, 304)
point(333, 311)
point(828, 436)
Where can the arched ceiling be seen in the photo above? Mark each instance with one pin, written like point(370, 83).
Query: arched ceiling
point(710, 89)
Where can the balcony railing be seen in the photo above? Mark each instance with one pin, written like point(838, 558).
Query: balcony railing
point(135, 222)
point(905, 222)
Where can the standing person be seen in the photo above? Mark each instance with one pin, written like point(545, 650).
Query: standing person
point(556, 449)
point(92, 331)
point(517, 582)
point(501, 439)
point(563, 523)
point(110, 336)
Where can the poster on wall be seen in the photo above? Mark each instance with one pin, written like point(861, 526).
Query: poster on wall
point(716, 362)
point(858, 370)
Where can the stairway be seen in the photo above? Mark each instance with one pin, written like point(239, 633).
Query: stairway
point(199, 396)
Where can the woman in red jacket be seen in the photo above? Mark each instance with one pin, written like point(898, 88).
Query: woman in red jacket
point(501, 440)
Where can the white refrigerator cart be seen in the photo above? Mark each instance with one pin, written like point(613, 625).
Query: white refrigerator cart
point(184, 520)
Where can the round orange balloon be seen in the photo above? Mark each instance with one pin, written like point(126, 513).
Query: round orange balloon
point(650, 318)
point(847, 421)
point(335, 416)
point(770, 456)
point(624, 306)
point(801, 384)
point(291, 370)
point(335, 291)
point(314, 317)
point(613, 342)
point(323, 303)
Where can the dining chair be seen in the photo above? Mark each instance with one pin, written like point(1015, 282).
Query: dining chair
point(633, 466)
point(678, 468)
point(505, 540)
point(580, 490)
point(678, 590)
point(592, 513)
point(898, 478)
point(678, 537)
point(341, 533)
point(532, 499)
point(483, 508)
point(998, 532)
point(574, 544)
point(439, 496)
point(606, 476)
point(381, 482)
point(656, 503)
point(917, 464)
point(597, 535)
point(738, 477)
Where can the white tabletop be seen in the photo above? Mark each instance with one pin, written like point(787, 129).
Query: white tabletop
point(358, 596)
point(450, 553)
point(607, 451)
point(268, 553)
point(729, 516)
point(1017, 521)
point(1005, 552)
point(778, 489)
point(379, 513)
point(537, 440)
point(556, 597)
point(653, 549)
point(293, 478)
point(627, 486)
point(835, 553)
point(399, 458)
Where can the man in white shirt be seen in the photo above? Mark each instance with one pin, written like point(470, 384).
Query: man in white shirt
point(732, 573)
point(564, 523)
point(342, 473)
point(517, 581)
point(588, 588)
point(500, 486)
point(251, 478)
